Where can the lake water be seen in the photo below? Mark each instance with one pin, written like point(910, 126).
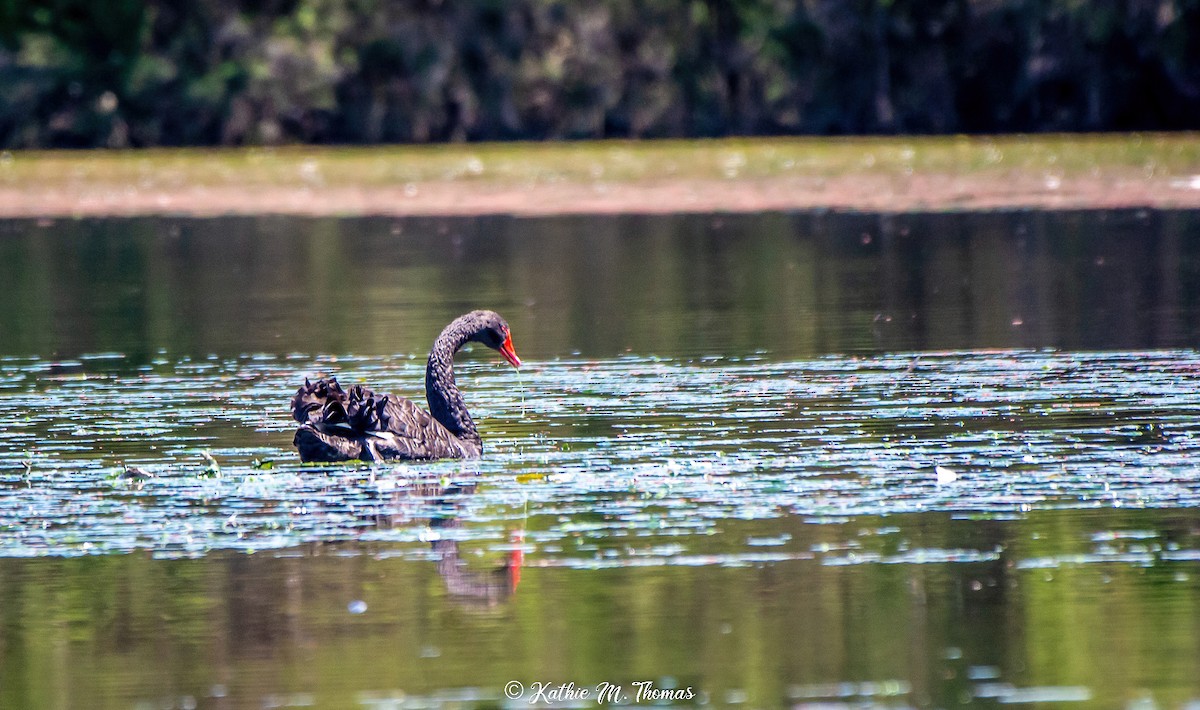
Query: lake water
point(816, 460)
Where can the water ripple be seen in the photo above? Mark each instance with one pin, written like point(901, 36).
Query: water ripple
point(630, 461)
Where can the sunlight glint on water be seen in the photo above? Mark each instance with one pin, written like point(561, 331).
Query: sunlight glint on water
point(662, 450)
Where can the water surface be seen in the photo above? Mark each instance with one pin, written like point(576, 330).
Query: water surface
point(726, 285)
point(872, 461)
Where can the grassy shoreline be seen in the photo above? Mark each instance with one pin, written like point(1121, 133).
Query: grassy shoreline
point(727, 175)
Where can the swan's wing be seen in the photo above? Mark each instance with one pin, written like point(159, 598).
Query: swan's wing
point(406, 431)
point(404, 418)
point(315, 445)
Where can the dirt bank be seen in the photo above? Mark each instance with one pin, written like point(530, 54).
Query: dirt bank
point(893, 175)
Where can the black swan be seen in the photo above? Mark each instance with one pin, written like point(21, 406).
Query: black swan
point(341, 425)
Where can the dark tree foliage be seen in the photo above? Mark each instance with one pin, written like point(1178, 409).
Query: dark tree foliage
point(162, 72)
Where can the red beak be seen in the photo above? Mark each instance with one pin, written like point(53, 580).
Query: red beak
point(506, 349)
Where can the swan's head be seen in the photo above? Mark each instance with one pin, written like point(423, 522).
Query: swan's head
point(493, 332)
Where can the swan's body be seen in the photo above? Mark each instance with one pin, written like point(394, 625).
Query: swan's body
point(343, 425)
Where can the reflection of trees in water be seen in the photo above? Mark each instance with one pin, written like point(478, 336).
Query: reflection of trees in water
point(109, 627)
point(1074, 280)
point(794, 285)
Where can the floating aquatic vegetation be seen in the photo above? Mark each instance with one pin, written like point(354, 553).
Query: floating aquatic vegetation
point(629, 461)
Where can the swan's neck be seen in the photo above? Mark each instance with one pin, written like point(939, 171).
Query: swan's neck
point(445, 400)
